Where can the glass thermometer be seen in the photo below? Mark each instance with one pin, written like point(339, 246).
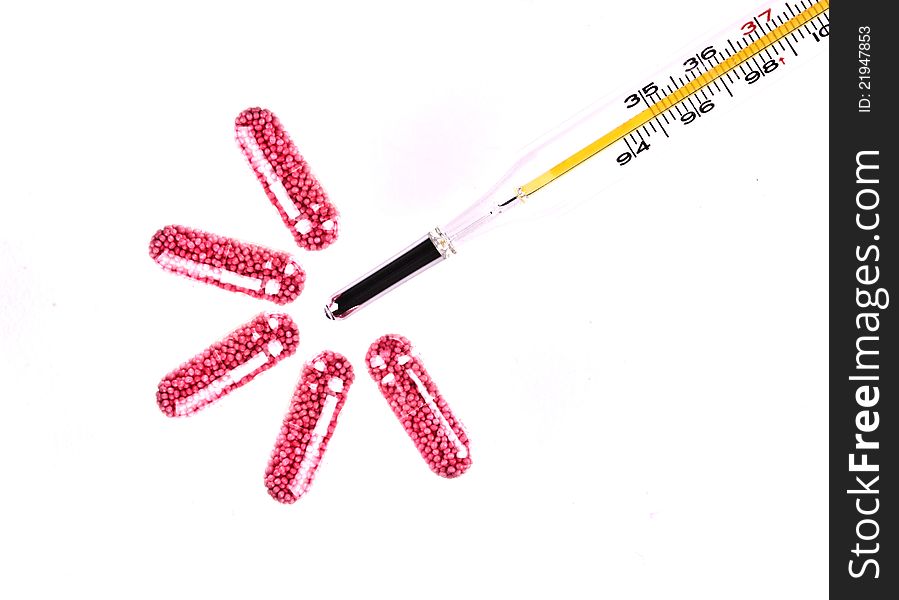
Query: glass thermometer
point(756, 47)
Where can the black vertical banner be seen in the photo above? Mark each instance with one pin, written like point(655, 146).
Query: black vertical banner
point(864, 367)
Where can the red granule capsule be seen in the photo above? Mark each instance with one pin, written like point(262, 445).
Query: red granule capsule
point(228, 263)
point(308, 426)
point(228, 364)
point(440, 438)
point(288, 182)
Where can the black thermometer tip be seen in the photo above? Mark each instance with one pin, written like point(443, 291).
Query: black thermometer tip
point(415, 259)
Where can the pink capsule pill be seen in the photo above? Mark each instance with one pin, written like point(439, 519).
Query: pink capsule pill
point(308, 426)
point(228, 263)
point(415, 400)
point(228, 364)
point(286, 178)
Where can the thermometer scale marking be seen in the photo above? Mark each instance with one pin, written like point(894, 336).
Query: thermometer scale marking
point(685, 92)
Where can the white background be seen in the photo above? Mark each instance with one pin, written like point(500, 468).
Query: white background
point(647, 420)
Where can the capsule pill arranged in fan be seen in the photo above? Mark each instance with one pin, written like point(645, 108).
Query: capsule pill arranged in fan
point(228, 364)
point(286, 178)
point(415, 400)
point(308, 426)
point(228, 263)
